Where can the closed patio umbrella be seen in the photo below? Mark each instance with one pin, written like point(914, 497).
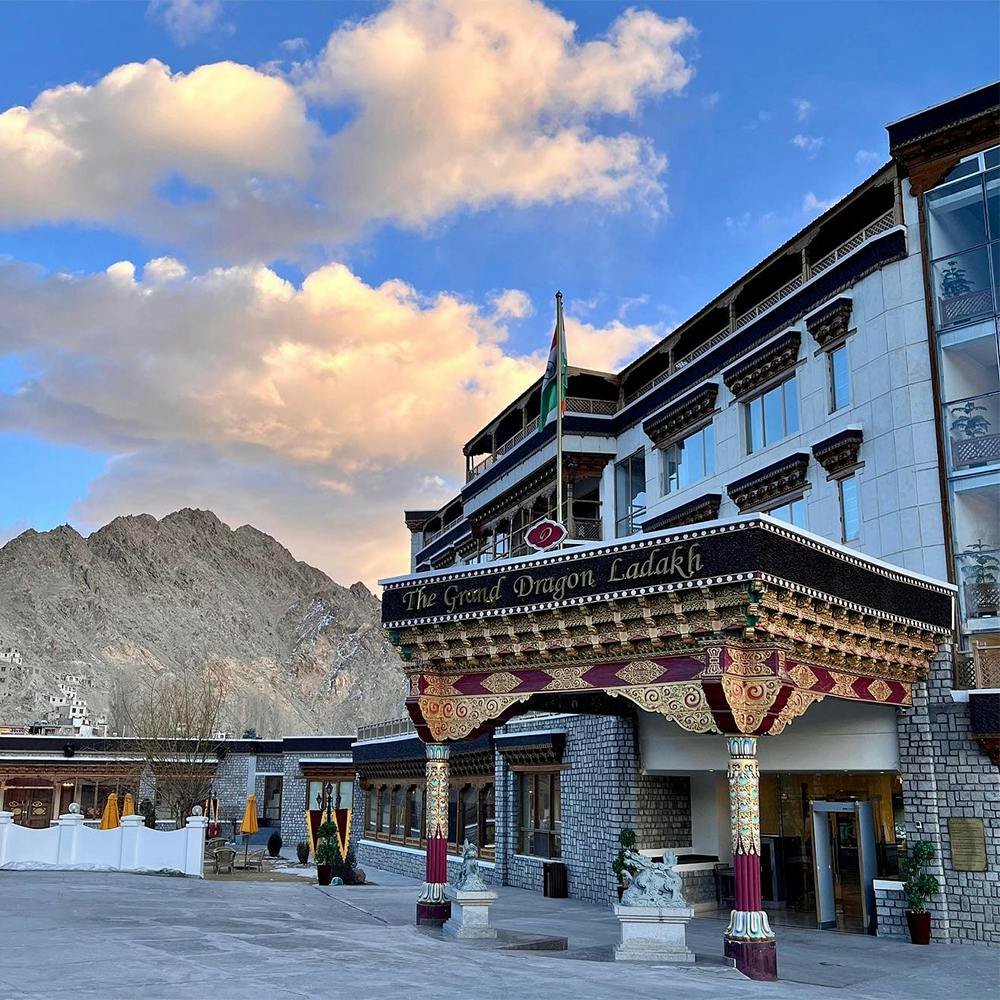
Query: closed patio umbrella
point(110, 819)
point(249, 825)
point(128, 805)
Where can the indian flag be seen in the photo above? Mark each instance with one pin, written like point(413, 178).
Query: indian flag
point(553, 386)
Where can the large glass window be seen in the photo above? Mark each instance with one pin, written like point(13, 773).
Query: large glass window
point(850, 514)
point(540, 815)
point(977, 546)
point(840, 378)
point(416, 830)
point(470, 815)
point(630, 493)
point(399, 811)
point(794, 512)
point(773, 415)
point(689, 460)
point(956, 217)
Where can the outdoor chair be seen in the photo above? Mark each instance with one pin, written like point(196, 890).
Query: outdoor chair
point(211, 846)
point(254, 861)
point(224, 857)
point(725, 891)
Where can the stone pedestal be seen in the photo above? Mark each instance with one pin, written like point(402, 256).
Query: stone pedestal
point(470, 917)
point(653, 933)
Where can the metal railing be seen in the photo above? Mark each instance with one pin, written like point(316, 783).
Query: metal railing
point(574, 404)
point(391, 727)
point(881, 225)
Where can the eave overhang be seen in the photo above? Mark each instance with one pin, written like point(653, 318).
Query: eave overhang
point(731, 626)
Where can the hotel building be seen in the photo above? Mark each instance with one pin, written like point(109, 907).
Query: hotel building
point(771, 641)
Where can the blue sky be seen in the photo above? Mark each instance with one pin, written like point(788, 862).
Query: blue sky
point(769, 111)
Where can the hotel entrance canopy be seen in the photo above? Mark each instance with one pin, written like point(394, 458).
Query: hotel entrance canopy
point(735, 627)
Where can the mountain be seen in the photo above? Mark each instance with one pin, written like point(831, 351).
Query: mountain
point(141, 596)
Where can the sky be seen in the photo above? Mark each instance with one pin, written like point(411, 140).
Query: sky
point(281, 260)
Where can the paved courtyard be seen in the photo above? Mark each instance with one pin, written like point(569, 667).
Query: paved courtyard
point(104, 937)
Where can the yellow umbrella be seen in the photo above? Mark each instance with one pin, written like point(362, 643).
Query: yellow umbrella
point(110, 819)
point(249, 825)
point(128, 806)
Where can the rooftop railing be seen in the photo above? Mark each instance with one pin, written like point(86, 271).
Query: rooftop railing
point(391, 727)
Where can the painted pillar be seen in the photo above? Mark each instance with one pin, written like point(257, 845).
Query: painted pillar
point(432, 906)
point(749, 939)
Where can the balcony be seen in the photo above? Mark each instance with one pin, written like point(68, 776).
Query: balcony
point(974, 432)
point(574, 404)
point(979, 667)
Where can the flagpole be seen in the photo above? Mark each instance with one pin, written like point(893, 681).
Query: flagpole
point(560, 354)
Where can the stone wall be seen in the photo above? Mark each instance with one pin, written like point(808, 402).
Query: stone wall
point(890, 906)
point(602, 790)
point(293, 798)
point(946, 774)
point(230, 784)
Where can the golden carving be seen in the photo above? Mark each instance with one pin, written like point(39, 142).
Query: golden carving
point(843, 686)
point(455, 718)
point(748, 662)
point(501, 683)
point(802, 676)
point(750, 700)
point(879, 690)
point(640, 672)
point(683, 703)
point(798, 702)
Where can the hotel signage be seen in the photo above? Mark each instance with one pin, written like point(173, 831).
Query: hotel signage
point(715, 554)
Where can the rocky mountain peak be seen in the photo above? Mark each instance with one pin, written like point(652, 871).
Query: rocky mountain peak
point(143, 595)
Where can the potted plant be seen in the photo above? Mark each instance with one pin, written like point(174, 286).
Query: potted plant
point(274, 843)
point(302, 852)
point(918, 888)
point(976, 446)
point(328, 858)
point(982, 596)
point(956, 288)
point(620, 866)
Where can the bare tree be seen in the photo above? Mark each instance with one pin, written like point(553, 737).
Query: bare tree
point(172, 722)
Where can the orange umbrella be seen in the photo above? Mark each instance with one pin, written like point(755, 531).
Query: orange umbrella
point(128, 805)
point(110, 819)
point(249, 825)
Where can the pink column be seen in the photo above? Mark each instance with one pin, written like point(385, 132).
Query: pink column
point(749, 939)
point(432, 906)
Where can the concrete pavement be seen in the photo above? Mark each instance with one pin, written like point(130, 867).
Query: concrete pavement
point(111, 936)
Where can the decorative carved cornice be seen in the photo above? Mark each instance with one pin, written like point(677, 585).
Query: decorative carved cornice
point(763, 365)
point(767, 484)
point(684, 413)
point(703, 508)
point(443, 558)
point(531, 750)
point(839, 452)
point(578, 466)
point(416, 519)
point(831, 323)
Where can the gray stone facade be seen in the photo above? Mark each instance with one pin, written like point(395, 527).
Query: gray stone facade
point(602, 790)
point(232, 776)
point(946, 774)
point(891, 908)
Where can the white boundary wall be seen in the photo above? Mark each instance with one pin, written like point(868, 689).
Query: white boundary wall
point(69, 845)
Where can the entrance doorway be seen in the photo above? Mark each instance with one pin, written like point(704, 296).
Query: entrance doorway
point(30, 804)
point(844, 865)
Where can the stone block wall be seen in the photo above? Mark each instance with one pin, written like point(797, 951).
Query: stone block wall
point(946, 774)
point(890, 906)
point(602, 790)
point(230, 784)
point(293, 798)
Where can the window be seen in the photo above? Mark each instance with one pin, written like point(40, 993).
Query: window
point(688, 460)
point(371, 822)
point(470, 815)
point(384, 811)
point(850, 515)
point(794, 512)
point(772, 416)
point(630, 493)
point(399, 811)
point(840, 378)
point(540, 815)
point(416, 801)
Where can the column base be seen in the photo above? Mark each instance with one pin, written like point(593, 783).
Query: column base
point(433, 914)
point(755, 959)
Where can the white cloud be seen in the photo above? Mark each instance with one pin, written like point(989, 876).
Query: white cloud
point(803, 108)
point(452, 106)
point(187, 20)
point(711, 100)
point(99, 153)
point(867, 159)
point(294, 44)
point(809, 144)
point(308, 410)
point(811, 205)
point(511, 303)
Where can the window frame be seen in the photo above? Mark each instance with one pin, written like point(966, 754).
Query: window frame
point(705, 431)
point(553, 831)
point(838, 349)
point(756, 401)
point(852, 477)
point(790, 502)
point(628, 520)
